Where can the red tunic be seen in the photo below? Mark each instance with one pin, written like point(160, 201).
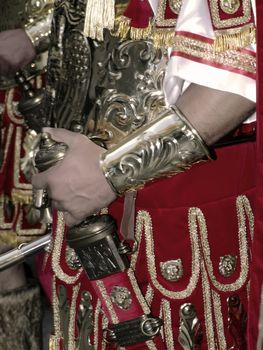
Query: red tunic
point(255, 301)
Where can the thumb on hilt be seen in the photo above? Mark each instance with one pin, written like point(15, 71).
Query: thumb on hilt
point(60, 135)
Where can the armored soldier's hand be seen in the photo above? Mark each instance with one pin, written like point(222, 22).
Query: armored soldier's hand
point(76, 185)
point(16, 51)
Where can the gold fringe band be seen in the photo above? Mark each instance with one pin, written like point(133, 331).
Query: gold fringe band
point(122, 27)
point(161, 37)
point(164, 37)
point(100, 14)
point(232, 40)
point(141, 33)
point(21, 197)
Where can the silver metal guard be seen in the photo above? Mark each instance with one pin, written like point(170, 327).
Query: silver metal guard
point(166, 146)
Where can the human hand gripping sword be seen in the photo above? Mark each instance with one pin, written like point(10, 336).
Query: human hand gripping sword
point(49, 154)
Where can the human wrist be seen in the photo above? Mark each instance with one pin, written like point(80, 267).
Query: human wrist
point(167, 146)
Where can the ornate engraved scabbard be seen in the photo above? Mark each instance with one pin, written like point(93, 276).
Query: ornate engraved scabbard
point(104, 260)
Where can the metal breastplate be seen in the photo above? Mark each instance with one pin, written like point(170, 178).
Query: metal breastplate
point(110, 88)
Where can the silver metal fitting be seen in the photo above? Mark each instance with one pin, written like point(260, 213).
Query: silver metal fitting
point(38, 32)
point(166, 146)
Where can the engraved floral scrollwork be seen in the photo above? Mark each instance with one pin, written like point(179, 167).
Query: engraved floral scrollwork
point(85, 322)
point(237, 320)
point(30, 146)
point(71, 259)
point(122, 108)
point(190, 333)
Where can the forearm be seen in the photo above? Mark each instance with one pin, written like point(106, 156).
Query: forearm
point(213, 113)
point(176, 139)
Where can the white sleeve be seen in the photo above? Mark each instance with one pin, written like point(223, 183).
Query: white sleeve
point(194, 59)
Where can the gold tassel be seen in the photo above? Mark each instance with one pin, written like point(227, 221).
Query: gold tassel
point(99, 15)
point(229, 40)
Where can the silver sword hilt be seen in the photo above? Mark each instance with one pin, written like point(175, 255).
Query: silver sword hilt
point(49, 154)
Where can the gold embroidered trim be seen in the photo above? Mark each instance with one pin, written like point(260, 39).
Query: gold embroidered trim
point(72, 317)
point(107, 300)
point(149, 295)
point(104, 211)
point(161, 21)
point(10, 108)
point(21, 196)
point(161, 317)
point(208, 309)
point(150, 344)
point(144, 223)
point(175, 6)
point(243, 248)
point(243, 201)
point(96, 324)
point(231, 22)
point(199, 49)
point(7, 144)
point(168, 330)
point(17, 161)
point(55, 308)
point(138, 292)
point(8, 237)
point(219, 321)
point(105, 324)
point(28, 231)
point(56, 253)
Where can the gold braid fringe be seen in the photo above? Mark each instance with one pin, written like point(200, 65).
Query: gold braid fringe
point(161, 37)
